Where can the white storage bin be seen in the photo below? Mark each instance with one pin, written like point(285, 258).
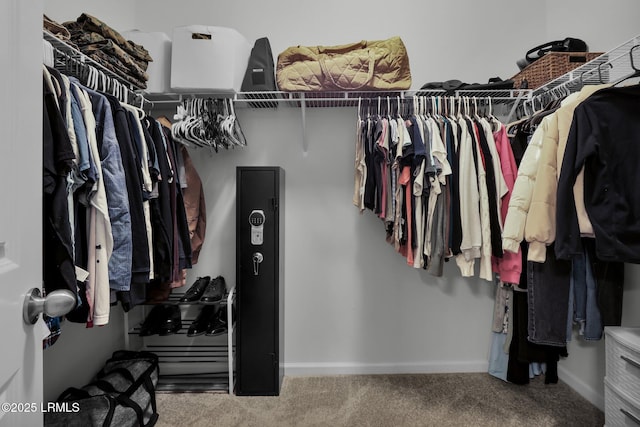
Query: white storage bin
point(208, 59)
point(619, 409)
point(159, 47)
point(623, 360)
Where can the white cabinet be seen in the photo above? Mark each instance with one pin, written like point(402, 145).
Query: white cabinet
point(622, 381)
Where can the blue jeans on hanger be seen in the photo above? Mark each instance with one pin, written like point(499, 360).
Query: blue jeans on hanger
point(548, 286)
point(586, 312)
point(498, 358)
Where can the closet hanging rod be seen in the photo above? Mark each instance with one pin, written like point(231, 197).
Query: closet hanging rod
point(350, 98)
point(70, 61)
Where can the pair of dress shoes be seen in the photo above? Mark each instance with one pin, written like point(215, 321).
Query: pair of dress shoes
point(206, 290)
point(165, 319)
point(212, 320)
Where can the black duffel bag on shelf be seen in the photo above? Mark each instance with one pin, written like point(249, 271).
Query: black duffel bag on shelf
point(123, 394)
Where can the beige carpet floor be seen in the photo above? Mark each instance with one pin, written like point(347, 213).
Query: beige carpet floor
point(387, 400)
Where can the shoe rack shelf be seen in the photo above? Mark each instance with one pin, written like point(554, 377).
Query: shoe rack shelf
point(191, 364)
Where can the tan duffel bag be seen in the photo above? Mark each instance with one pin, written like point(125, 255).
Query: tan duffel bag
point(366, 65)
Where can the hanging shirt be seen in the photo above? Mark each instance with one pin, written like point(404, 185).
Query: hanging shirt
point(603, 139)
point(469, 202)
point(492, 184)
point(360, 166)
point(405, 182)
point(454, 159)
point(140, 261)
point(141, 152)
point(509, 267)
point(100, 244)
point(485, 216)
point(115, 185)
point(58, 259)
point(382, 151)
point(370, 184)
point(541, 230)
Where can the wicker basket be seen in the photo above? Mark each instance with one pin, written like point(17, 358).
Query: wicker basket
point(551, 66)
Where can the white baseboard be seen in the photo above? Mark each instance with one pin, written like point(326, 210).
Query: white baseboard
point(346, 368)
point(581, 387)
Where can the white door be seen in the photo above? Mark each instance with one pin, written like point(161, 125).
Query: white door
point(20, 208)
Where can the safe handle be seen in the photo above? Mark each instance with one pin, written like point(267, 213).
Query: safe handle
point(257, 260)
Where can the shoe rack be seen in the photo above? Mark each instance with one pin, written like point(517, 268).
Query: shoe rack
point(188, 364)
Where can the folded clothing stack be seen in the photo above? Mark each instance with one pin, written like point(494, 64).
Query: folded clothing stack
point(57, 30)
point(106, 46)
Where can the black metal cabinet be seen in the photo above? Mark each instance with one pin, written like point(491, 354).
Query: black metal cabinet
point(259, 280)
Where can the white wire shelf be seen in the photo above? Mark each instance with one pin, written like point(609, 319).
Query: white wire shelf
point(338, 99)
point(617, 64)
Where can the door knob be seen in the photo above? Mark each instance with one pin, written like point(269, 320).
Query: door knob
point(57, 303)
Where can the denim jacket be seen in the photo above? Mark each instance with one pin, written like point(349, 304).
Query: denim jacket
point(117, 196)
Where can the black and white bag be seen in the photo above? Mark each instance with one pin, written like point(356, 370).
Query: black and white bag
point(123, 394)
point(260, 75)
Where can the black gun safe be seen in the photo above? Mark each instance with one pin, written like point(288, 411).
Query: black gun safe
point(259, 280)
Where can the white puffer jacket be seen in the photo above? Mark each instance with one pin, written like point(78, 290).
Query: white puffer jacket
point(523, 191)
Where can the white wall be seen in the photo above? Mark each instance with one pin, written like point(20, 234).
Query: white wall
point(458, 39)
point(117, 13)
point(602, 27)
point(350, 303)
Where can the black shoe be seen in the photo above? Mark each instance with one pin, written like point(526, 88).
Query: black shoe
point(215, 291)
point(202, 323)
point(172, 321)
point(151, 324)
point(196, 290)
point(219, 323)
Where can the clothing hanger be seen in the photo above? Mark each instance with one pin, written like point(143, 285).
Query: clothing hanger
point(226, 126)
point(102, 81)
point(188, 130)
point(635, 67)
point(452, 107)
point(117, 89)
point(475, 107)
point(134, 109)
point(388, 108)
point(236, 125)
point(90, 77)
point(125, 93)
